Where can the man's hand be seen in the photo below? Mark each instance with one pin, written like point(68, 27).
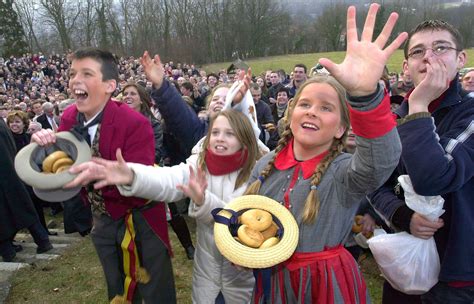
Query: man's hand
point(422, 227)
point(365, 60)
point(153, 68)
point(44, 137)
point(431, 87)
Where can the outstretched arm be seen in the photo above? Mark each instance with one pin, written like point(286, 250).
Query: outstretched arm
point(365, 59)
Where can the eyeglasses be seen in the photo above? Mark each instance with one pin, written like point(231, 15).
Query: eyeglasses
point(438, 50)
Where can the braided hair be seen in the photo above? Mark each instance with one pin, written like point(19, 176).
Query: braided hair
point(312, 203)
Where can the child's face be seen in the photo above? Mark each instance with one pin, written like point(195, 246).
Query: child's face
point(90, 92)
point(223, 140)
point(316, 119)
point(217, 101)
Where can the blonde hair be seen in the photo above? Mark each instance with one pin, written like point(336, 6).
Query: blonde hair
point(312, 203)
point(246, 136)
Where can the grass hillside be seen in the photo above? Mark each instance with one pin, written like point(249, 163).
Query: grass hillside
point(287, 62)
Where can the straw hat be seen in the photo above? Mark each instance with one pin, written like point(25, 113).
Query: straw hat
point(48, 186)
point(242, 255)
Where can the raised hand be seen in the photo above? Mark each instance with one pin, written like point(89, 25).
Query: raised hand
point(365, 59)
point(153, 69)
point(245, 78)
point(103, 172)
point(196, 187)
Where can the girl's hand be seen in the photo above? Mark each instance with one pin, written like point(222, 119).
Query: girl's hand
point(196, 187)
point(365, 60)
point(246, 79)
point(153, 69)
point(103, 172)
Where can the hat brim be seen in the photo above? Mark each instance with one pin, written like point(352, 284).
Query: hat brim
point(242, 255)
point(57, 195)
point(46, 185)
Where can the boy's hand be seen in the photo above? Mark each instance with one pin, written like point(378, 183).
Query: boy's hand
point(44, 137)
point(153, 68)
point(431, 87)
point(422, 227)
point(365, 60)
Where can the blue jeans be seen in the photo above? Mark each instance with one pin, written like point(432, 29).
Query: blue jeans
point(443, 293)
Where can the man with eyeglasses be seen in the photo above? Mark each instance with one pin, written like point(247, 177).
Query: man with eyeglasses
point(436, 129)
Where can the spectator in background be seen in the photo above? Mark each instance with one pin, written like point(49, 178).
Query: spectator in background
point(299, 77)
point(275, 87)
point(403, 86)
point(467, 80)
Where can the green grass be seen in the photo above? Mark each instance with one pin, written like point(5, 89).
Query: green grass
point(76, 277)
point(287, 62)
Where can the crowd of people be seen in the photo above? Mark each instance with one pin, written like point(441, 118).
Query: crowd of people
point(326, 138)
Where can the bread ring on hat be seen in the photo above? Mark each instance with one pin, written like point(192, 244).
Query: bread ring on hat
point(50, 159)
point(257, 219)
point(270, 231)
point(249, 236)
point(356, 227)
point(269, 243)
point(66, 161)
point(62, 168)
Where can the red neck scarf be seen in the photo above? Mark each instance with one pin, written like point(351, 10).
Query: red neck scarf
point(286, 159)
point(224, 164)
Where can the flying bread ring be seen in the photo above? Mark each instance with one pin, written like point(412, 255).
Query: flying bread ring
point(257, 219)
point(29, 171)
point(243, 255)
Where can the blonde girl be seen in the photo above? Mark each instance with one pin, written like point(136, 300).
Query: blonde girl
point(322, 186)
point(211, 178)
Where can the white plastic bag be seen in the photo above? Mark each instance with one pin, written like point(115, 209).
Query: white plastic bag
point(410, 264)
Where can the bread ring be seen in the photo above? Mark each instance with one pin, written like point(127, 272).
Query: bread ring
point(50, 159)
point(270, 231)
point(60, 163)
point(257, 219)
point(62, 168)
point(249, 236)
point(269, 243)
point(356, 227)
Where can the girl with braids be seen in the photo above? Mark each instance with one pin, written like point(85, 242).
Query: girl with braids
point(322, 186)
point(211, 178)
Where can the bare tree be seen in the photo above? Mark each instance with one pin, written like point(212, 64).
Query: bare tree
point(27, 13)
point(62, 16)
point(330, 26)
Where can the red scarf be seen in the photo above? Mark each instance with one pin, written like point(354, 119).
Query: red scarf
point(224, 164)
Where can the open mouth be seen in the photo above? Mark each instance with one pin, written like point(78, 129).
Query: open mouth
point(309, 126)
point(220, 148)
point(80, 94)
